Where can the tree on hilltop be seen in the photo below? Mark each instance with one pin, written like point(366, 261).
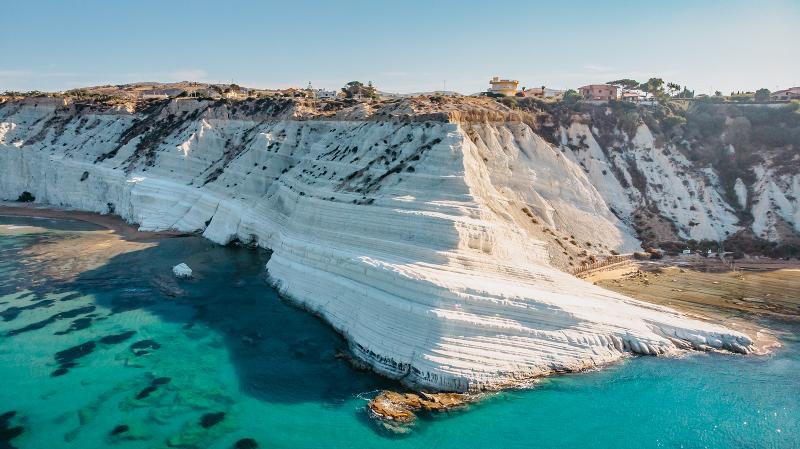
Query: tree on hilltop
point(625, 83)
point(673, 88)
point(653, 86)
point(358, 89)
point(762, 94)
point(571, 97)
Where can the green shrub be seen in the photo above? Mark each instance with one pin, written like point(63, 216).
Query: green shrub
point(26, 197)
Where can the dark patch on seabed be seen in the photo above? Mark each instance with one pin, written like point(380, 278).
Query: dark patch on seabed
point(8, 431)
point(67, 358)
point(13, 312)
point(77, 325)
point(144, 347)
point(211, 419)
point(246, 443)
point(120, 429)
point(117, 338)
point(146, 392)
point(58, 316)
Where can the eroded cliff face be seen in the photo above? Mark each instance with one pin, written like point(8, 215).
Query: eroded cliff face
point(723, 174)
point(430, 234)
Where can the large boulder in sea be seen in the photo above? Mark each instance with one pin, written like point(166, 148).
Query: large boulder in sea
point(182, 271)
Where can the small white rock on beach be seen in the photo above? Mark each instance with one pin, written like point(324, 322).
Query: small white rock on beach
point(182, 271)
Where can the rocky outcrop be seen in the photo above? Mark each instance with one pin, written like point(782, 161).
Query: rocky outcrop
point(430, 235)
point(398, 410)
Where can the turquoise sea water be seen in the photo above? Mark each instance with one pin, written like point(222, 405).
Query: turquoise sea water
point(123, 355)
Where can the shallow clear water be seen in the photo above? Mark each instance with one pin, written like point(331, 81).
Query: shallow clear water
point(125, 344)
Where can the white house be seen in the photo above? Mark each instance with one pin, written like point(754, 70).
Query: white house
point(235, 95)
point(633, 95)
point(324, 94)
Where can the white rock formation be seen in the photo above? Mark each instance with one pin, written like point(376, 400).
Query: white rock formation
point(741, 192)
point(688, 197)
point(182, 271)
point(776, 200)
point(405, 232)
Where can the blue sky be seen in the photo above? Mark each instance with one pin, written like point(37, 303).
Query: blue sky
point(402, 46)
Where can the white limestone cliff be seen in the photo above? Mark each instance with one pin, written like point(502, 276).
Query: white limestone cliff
point(430, 244)
point(689, 198)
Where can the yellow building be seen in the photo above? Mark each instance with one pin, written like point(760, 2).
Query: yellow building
point(235, 95)
point(506, 88)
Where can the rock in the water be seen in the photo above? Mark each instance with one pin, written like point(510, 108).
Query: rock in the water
point(119, 429)
point(182, 271)
point(117, 338)
point(399, 408)
point(130, 431)
point(211, 419)
point(161, 381)
point(59, 372)
point(67, 358)
point(77, 325)
point(7, 431)
point(144, 347)
point(246, 443)
point(146, 392)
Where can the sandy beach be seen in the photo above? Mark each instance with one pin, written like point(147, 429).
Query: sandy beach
point(711, 290)
point(63, 260)
point(113, 223)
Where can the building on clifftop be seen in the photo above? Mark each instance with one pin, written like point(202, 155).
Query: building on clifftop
point(598, 92)
point(633, 95)
point(507, 88)
point(793, 93)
